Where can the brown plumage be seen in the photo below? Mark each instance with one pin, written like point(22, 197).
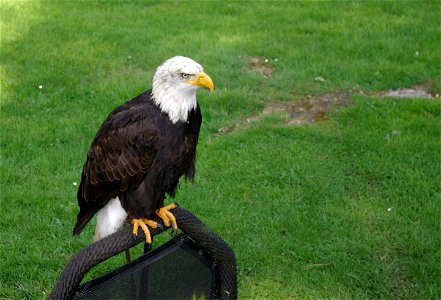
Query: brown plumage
point(139, 153)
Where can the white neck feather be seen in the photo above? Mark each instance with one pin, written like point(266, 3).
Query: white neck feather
point(176, 101)
point(171, 91)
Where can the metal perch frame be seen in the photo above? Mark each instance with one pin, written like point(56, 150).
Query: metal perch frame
point(124, 239)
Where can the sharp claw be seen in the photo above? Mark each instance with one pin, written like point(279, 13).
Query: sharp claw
point(135, 227)
point(135, 231)
point(166, 221)
point(166, 216)
point(173, 220)
point(143, 223)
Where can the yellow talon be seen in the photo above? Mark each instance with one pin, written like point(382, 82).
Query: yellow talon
point(143, 223)
point(167, 216)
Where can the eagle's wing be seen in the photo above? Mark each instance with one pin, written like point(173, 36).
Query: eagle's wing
point(120, 157)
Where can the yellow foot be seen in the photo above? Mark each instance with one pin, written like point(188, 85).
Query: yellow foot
point(167, 216)
point(143, 223)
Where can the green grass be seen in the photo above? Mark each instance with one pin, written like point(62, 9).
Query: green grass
point(344, 208)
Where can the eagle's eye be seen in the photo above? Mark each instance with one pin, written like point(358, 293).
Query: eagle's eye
point(185, 75)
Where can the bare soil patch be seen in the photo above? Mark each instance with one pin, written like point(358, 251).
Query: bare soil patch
point(423, 90)
point(310, 110)
point(314, 108)
point(261, 65)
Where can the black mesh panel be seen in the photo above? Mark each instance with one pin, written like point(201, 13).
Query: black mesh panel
point(176, 270)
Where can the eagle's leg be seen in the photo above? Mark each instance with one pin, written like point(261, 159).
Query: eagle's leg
point(143, 223)
point(166, 216)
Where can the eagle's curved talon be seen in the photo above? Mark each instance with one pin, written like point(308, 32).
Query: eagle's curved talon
point(143, 224)
point(166, 216)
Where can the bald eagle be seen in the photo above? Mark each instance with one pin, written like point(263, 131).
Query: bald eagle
point(141, 150)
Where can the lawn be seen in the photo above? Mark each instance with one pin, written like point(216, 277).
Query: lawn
point(347, 207)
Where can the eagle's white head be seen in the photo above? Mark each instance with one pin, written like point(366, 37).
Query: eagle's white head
point(174, 86)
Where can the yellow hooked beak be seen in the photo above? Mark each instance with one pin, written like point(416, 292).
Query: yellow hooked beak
point(202, 79)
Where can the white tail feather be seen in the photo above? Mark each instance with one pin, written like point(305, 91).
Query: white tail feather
point(109, 219)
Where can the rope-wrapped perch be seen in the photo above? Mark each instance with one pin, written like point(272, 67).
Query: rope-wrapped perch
point(124, 239)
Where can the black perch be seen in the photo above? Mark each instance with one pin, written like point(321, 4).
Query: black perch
point(208, 244)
